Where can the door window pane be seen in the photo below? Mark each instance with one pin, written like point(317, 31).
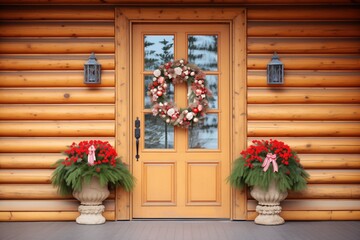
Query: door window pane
point(157, 50)
point(205, 136)
point(147, 98)
point(212, 81)
point(203, 51)
point(158, 134)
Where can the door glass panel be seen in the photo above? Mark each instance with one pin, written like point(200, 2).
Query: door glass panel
point(158, 134)
point(157, 50)
point(205, 136)
point(203, 51)
point(212, 81)
point(147, 99)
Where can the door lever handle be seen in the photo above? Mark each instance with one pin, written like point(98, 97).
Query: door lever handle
point(137, 137)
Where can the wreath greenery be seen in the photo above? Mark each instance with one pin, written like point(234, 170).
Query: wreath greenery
point(175, 72)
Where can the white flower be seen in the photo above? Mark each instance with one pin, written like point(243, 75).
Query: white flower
point(186, 111)
point(200, 107)
point(181, 61)
point(169, 76)
point(203, 95)
point(178, 71)
point(154, 98)
point(167, 120)
point(160, 104)
point(200, 81)
point(186, 72)
point(154, 79)
point(192, 74)
point(171, 112)
point(196, 120)
point(186, 77)
point(165, 85)
point(189, 116)
point(157, 73)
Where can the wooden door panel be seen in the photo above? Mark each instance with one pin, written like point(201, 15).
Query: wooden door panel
point(164, 183)
point(203, 183)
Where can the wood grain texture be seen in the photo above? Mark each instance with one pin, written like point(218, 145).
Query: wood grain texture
point(303, 129)
point(334, 176)
point(46, 216)
point(314, 205)
point(29, 160)
point(327, 191)
point(303, 45)
point(58, 29)
point(47, 205)
point(308, 61)
point(165, 2)
point(321, 112)
point(303, 13)
point(57, 112)
point(24, 176)
point(324, 145)
point(51, 12)
point(308, 78)
point(303, 29)
point(41, 145)
point(27, 192)
point(330, 161)
point(303, 95)
point(315, 215)
point(62, 78)
point(52, 61)
point(56, 45)
point(57, 129)
point(57, 96)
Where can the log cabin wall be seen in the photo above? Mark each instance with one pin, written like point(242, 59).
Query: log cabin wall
point(317, 110)
point(45, 106)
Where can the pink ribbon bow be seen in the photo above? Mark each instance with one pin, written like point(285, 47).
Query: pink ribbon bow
point(270, 158)
point(91, 155)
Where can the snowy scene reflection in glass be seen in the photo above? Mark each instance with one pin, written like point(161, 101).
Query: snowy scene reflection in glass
point(205, 136)
point(203, 51)
point(158, 134)
point(157, 50)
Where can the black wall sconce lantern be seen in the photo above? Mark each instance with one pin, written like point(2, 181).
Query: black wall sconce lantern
point(275, 71)
point(92, 71)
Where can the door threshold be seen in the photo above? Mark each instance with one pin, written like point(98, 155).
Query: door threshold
point(181, 219)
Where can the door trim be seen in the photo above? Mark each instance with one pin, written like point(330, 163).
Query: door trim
point(124, 17)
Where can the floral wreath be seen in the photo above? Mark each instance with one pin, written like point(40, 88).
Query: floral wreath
point(175, 72)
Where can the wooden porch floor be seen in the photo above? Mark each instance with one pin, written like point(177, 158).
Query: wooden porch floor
point(184, 230)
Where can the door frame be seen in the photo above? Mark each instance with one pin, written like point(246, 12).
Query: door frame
point(124, 18)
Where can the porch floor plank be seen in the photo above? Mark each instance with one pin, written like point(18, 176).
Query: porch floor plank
point(181, 230)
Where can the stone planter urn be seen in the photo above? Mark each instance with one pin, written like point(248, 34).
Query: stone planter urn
point(91, 197)
point(268, 204)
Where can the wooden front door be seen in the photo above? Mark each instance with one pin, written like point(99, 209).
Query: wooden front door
point(181, 173)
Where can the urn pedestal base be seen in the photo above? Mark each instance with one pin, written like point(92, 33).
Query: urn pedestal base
point(91, 214)
point(268, 204)
point(91, 198)
point(268, 215)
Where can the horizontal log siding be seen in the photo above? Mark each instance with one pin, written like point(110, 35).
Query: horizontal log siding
point(45, 106)
point(317, 110)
